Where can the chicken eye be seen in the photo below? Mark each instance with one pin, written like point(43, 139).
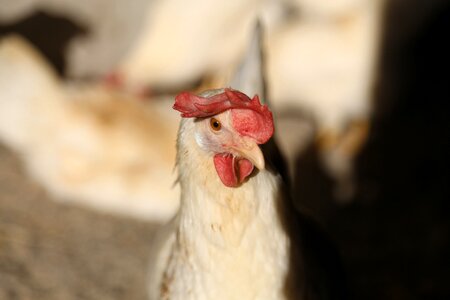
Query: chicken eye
point(215, 124)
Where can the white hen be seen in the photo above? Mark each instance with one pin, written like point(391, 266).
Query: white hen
point(227, 241)
point(87, 144)
point(238, 234)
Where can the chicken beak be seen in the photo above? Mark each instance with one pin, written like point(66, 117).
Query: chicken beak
point(250, 150)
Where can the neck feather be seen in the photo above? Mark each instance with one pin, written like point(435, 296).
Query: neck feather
point(229, 241)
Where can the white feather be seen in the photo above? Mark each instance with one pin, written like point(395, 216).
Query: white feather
point(225, 243)
point(86, 144)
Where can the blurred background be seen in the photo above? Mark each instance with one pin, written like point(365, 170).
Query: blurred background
point(87, 133)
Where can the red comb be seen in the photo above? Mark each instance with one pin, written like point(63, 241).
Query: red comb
point(249, 117)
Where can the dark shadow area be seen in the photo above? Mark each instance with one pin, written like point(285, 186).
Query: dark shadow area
point(316, 271)
point(49, 33)
point(394, 236)
point(314, 191)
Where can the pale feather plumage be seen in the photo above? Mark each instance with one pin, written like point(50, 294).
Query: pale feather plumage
point(181, 41)
point(84, 143)
point(93, 55)
point(248, 242)
point(323, 62)
point(225, 243)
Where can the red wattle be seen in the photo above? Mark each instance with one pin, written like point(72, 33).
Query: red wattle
point(232, 171)
point(245, 168)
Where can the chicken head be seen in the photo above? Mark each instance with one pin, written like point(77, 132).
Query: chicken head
point(229, 126)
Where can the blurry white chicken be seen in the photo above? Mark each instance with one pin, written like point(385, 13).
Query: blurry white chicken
point(324, 63)
point(84, 143)
point(182, 41)
point(92, 55)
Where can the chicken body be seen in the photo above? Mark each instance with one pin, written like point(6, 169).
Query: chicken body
point(86, 144)
point(225, 242)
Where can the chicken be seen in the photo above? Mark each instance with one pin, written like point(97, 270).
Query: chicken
point(237, 234)
point(227, 241)
point(86, 144)
point(176, 48)
point(92, 55)
point(323, 64)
